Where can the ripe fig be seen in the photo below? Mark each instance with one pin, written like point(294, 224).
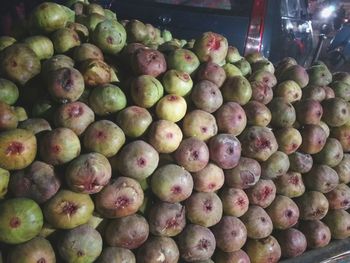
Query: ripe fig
point(312, 205)
point(235, 202)
point(262, 193)
point(290, 184)
point(292, 241)
point(210, 179)
point(316, 232)
point(257, 222)
point(266, 250)
point(231, 118)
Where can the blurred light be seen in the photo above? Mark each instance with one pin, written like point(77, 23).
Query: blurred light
point(289, 25)
point(327, 11)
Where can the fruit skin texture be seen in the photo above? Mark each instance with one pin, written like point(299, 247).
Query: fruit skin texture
point(171, 107)
point(314, 139)
point(4, 181)
point(18, 149)
point(336, 112)
point(316, 232)
point(19, 63)
point(127, 232)
point(67, 210)
point(35, 250)
point(212, 72)
point(204, 209)
point(199, 124)
point(231, 118)
point(158, 249)
point(262, 193)
point(21, 219)
point(138, 160)
point(121, 197)
point(88, 173)
point(196, 243)
point(338, 222)
point(292, 241)
point(236, 256)
point(146, 90)
point(300, 162)
point(211, 47)
point(230, 234)
point(312, 205)
point(331, 154)
point(82, 244)
point(59, 146)
point(134, 121)
point(8, 118)
point(39, 182)
point(321, 178)
point(206, 96)
point(210, 179)
point(9, 92)
point(147, 61)
point(257, 222)
point(235, 202)
point(266, 250)
point(290, 184)
point(116, 255)
point(343, 169)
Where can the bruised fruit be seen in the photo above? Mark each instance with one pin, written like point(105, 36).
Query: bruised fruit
point(321, 178)
point(225, 150)
point(158, 249)
point(275, 166)
point(258, 143)
point(204, 209)
point(127, 232)
point(230, 234)
point(300, 162)
point(262, 193)
point(76, 116)
point(116, 255)
point(138, 160)
point(134, 121)
point(257, 114)
point(236, 256)
point(18, 148)
point(312, 205)
point(21, 219)
point(266, 250)
point(261, 92)
point(212, 72)
point(166, 219)
point(237, 89)
point(172, 183)
point(37, 249)
point(336, 112)
point(95, 72)
point(67, 209)
point(146, 61)
point(290, 184)
point(244, 175)
point(206, 96)
point(39, 182)
point(81, 244)
point(211, 47)
point(257, 222)
point(64, 40)
point(314, 139)
point(231, 118)
point(331, 154)
point(192, 154)
point(19, 63)
point(121, 197)
point(283, 212)
point(88, 173)
point(165, 136)
point(183, 60)
point(177, 82)
point(59, 146)
point(196, 243)
point(235, 201)
point(316, 232)
point(199, 124)
point(146, 90)
point(338, 222)
point(292, 241)
point(171, 107)
point(104, 137)
point(339, 197)
point(210, 179)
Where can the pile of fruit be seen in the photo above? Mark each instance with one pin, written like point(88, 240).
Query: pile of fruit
point(120, 143)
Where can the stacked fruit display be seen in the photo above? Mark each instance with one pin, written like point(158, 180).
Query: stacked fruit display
point(119, 143)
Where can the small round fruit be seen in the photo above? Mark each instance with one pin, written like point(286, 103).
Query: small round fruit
point(171, 107)
point(266, 250)
point(210, 179)
point(177, 82)
point(134, 121)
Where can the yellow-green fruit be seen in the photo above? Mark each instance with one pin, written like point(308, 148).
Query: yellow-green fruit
point(171, 107)
point(4, 181)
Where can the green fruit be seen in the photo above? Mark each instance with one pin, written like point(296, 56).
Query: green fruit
point(231, 70)
point(95, 72)
point(21, 219)
point(107, 99)
point(336, 112)
point(275, 166)
point(233, 55)
point(87, 51)
point(67, 209)
point(331, 154)
point(341, 76)
point(109, 14)
point(237, 89)
point(82, 244)
point(244, 66)
point(6, 41)
point(166, 35)
point(64, 40)
point(91, 21)
point(18, 149)
point(4, 181)
point(56, 62)
point(48, 17)
point(171, 107)
point(282, 112)
point(211, 47)
point(109, 36)
point(35, 125)
point(289, 139)
point(264, 65)
point(289, 90)
point(146, 91)
point(254, 56)
point(136, 31)
point(20, 113)
point(338, 222)
point(177, 82)
point(8, 117)
point(37, 250)
point(19, 63)
point(183, 60)
point(296, 73)
point(341, 90)
point(94, 9)
point(319, 75)
point(82, 30)
point(41, 45)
